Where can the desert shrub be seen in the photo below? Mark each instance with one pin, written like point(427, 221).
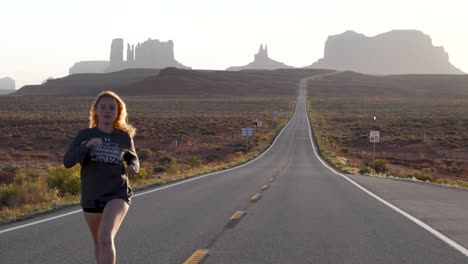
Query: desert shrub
point(141, 175)
point(268, 136)
point(420, 176)
point(381, 166)
point(237, 155)
point(20, 178)
point(424, 175)
point(444, 181)
point(66, 181)
point(193, 161)
point(243, 147)
point(212, 158)
point(463, 184)
point(38, 191)
point(167, 162)
point(159, 169)
point(172, 168)
point(27, 148)
point(10, 168)
point(164, 159)
point(145, 154)
point(365, 171)
point(427, 171)
point(26, 193)
point(12, 196)
point(207, 132)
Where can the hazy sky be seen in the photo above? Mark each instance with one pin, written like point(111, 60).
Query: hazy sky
point(41, 39)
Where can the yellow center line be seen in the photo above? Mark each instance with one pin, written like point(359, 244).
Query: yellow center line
point(237, 215)
point(264, 187)
point(271, 179)
point(255, 197)
point(197, 256)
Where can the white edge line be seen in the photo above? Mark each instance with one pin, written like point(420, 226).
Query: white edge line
point(160, 188)
point(39, 221)
point(436, 233)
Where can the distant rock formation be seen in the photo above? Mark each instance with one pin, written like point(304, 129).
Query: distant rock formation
point(130, 53)
point(7, 85)
point(151, 54)
point(261, 62)
point(116, 55)
point(89, 67)
point(394, 52)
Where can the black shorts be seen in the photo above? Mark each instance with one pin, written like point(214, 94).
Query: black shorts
point(93, 210)
point(98, 207)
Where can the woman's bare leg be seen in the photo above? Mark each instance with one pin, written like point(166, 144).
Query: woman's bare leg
point(94, 221)
point(111, 219)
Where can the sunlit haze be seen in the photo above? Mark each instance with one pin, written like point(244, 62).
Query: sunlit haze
point(41, 39)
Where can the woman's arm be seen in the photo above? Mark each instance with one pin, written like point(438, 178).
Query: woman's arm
point(76, 151)
point(131, 157)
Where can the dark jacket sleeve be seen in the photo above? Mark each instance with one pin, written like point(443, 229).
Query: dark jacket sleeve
point(76, 151)
point(131, 157)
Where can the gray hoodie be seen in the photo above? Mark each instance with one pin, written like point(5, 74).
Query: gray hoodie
point(103, 175)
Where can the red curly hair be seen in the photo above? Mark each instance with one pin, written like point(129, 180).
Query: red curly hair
point(121, 122)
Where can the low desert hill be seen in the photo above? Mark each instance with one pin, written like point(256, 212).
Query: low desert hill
point(176, 82)
point(87, 84)
point(191, 83)
point(343, 84)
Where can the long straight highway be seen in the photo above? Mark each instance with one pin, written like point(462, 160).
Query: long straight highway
point(302, 213)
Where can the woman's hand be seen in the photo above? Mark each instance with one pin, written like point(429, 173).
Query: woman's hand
point(131, 169)
point(93, 143)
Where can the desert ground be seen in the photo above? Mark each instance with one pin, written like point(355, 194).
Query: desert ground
point(36, 131)
point(422, 119)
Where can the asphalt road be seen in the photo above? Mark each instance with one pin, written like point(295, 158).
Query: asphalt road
point(307, 214)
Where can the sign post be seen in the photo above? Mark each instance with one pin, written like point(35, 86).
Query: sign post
point(374, 137)
point(247, 132)
point(258, 123)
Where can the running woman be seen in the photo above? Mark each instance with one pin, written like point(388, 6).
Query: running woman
point(106, 153)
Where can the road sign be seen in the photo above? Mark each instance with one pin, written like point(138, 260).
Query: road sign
point(257, 123)
point(247, 132)
point(374, 136)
